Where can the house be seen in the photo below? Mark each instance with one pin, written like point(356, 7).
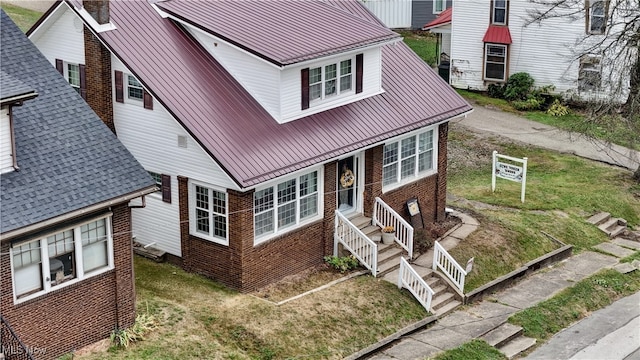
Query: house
point(65, 230)
point(441, 26)
point(249, 131)
point(406, 14)
point(491, 40)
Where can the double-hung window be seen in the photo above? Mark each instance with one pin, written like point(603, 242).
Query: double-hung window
point(209, 211)
point(134, 88)
point(596, 17)
point(589, 74)
point(61, 258)
point(499, 12)
point(439, 6)
point(73, 76)
point(286, 204)
point(330, 80)
point(495, 62)
point(409, 158)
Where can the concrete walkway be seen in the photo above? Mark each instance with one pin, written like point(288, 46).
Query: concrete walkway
point(514, 127)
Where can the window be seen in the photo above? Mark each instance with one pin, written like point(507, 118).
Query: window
point(495, 62)
point(73, 75)
point(408, 159)
point(330, 80)
point(61, 258)
point(134, 88)
point(157, 178)
point(439, 6)
point(499, 12)
point(209, 213)
point(596, 18)
point(589, 74)
point(286, 204)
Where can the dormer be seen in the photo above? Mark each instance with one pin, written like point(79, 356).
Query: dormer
point(296, 58)
point(12, 93)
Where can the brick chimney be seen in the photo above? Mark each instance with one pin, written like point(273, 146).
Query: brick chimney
point(98, 65)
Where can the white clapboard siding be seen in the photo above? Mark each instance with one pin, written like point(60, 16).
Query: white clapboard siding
point(394, 14)
point(61, 37)
point(6, 158)
point(470, 19)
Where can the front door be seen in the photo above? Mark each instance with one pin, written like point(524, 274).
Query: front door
point(347, 184)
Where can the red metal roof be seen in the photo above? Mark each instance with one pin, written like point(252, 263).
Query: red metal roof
point(443, 18)
point(498, 35)
point(281, 31)
point(237, 132)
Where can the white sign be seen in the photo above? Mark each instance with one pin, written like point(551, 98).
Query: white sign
point(509, 171)
point(469, 265)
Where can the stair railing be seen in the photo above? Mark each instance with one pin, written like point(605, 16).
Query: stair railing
point(409, 279)
point(11, 345)
point(448, 265)
point(384, 215)
point(356, 242)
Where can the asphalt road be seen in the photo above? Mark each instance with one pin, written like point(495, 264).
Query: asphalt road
point(612, 333)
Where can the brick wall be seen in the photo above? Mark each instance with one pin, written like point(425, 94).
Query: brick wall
point(80, 314)
point(98, 78)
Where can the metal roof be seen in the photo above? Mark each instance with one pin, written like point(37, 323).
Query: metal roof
point(68, 158)
point(280, 31)
point(443, 18)
point(497, 34)
point(237, 132)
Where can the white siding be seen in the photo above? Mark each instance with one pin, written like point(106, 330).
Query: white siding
point(470, 19)
point(152, 137)
point(62, 39)
point(6, 151)
point(394, 14)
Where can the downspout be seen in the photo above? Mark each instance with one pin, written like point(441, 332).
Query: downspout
point(13, 139)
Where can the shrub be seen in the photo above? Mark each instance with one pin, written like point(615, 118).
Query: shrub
point(527, 105)
point(342, 264)
point(557, 109)
point(123, 337)
point(496, 91)
point(518, 86)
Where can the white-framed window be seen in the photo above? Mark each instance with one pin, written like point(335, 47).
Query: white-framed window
point(495, 62)
point(439, 6)
point(209, 210)
point(499, 12)
point(409, 158)
point(158, 179)
point(589, 74)
point(331, 80)
point(597, 17)
point(286, 204)
point(134, 89)
point(73, 76)
point(62, 258)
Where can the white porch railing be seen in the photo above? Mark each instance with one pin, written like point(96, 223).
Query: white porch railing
point(384, 215)
point(445, 262)
point(409, 278)
point(354, 240)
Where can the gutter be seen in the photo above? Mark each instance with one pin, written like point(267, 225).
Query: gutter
point(115, 201)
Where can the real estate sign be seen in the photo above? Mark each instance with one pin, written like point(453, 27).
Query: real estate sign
point(506, 169)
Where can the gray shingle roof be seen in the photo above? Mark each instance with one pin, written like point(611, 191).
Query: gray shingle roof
point(11, 87)
point(68, 158)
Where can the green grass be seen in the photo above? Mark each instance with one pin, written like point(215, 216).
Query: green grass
point(473, 350)
point(595, 292)
point(24, 18)
point(483, 100)
point(422, 44)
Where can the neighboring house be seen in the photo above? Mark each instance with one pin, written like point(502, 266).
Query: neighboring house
point(406, 14)
point(65, 233)
point(441, 26)
point(490, 40)
point(248, 130)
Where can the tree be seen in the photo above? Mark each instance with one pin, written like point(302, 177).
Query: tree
point(612, 32)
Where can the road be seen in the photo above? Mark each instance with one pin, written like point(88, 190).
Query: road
point(612, 333)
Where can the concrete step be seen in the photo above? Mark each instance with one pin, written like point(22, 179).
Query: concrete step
point(150, 252)
point(629, 244)
point(609, 224)
point(599, 218)
point(619, 230)
point(441, 288)
point(449, 307)
point(502, 334)
point(517, 346)
point(614, 227)
point(360, 221)
point(441, 300)
point(613, 249)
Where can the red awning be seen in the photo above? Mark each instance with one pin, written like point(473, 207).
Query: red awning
point(497, 35)
point(443, 18)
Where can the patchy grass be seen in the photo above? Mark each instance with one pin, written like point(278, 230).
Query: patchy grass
point(423, 44)
point(24, 18)
point(201, 319)
point(572, 304)
point(473, 350)
point(481, 99)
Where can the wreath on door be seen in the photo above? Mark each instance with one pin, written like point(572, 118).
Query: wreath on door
point(347, 178)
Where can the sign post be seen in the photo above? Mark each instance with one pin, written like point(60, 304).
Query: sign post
point(509, 171)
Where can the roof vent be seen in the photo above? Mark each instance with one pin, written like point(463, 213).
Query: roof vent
point(182, 141)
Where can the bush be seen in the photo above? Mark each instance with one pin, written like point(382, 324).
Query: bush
point(342, 264)
point(123, 337)
point(518, 86)
point(496, 91)
point(527, 105)
point(557, 109)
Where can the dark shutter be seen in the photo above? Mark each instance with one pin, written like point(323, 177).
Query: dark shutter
point(304, 80)
point(359, 65)
point(83, 81)
point(587, 16)
point(60, 66)
point(148, 100)
point(119, 87)
point(166, 188)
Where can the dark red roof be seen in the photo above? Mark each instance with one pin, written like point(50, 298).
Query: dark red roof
point(281, 31)
point(442, 19)
point(237, 132)
point(498, 35)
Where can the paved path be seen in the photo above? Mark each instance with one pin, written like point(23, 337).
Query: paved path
point(611, 333)
point(514, 127)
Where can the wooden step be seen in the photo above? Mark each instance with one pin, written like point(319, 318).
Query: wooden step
point(517, 346)
point(599, 218)
point(502, 334)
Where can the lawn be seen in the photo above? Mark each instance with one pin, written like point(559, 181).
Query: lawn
point(423, 44)
point(24, 18)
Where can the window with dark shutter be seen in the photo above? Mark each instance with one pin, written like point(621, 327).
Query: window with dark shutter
point(304, 76)
point(359, 66)
point(166, 188)
point(60, 66)
point(148, 100)
point(83, 81)
point(119, 87)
